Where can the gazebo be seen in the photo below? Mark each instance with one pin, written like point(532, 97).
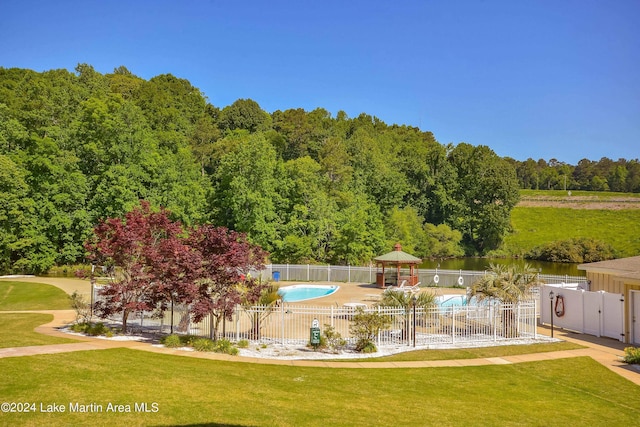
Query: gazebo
point(397, 258)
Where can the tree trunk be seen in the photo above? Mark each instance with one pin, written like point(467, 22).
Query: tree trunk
point(509, 324)
point(125, 316)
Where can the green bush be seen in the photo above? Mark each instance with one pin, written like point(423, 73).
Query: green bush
point(243, 344)
point(172, 341)
point(576, 250)
point(332, 339)
point(80, 328)
point(366, 346)
point(97, 329)
point(365, 327)
point(203, 344)
point(93, 329)
point(632, 355)
point(81, 307)
point(225, 346)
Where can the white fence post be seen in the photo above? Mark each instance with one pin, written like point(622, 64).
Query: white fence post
point(453, 324)
point(282, 322)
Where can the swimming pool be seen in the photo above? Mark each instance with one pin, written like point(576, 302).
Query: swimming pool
point(296, 293)
point(451, 300)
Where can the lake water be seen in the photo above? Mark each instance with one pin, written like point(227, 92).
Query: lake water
point(480, 264)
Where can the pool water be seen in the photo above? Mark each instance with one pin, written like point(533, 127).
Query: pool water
point(297, 293)
point(454, 299)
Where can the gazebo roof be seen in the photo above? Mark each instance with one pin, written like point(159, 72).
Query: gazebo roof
point(397, 256)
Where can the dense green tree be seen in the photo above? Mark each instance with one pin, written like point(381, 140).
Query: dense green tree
point(244, 114)
point(244, 196)
point(375, 170)
point(440, 241)
point(17, 220)
point(404, 226)
point(59, 190)
point(303, 133)
point(431, 177)
point(308, 213)
point(487, 191)
point(359, 234)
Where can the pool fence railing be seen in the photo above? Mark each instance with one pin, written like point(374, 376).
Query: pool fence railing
point(289, 324)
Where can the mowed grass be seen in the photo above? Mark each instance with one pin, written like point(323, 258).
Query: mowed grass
point(474, 353)
point(17, 330)
point(17, 296)
point(191, 391)
point(535, 226)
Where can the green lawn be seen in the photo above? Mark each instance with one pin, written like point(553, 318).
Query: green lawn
point(537, 226)
point(18, 296)
point(17, 330)
point(474, 353)
point(191, 391)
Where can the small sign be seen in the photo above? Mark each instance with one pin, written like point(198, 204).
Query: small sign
point(315, 336)
point(315, 333)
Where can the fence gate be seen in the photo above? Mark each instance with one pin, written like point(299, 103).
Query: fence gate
point(594, 313)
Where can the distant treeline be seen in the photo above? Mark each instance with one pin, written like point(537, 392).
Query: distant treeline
point(78, 147)
point(603, 175)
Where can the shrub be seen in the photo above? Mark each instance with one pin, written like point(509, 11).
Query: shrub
point(81, 307)
point(632, 355)
point(172, 341)
point(79, 327)
point(573, 250)
point(203, 344)
point(366, 346)
point(224, 346)
point(96, 329)
point(365, 327)
point(93, 329)
point(333, 339)
point(243, 344)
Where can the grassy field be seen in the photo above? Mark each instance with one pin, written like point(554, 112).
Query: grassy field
point(17, 330)
point(474, 353)
point(190, 391)
point(17, 296)
point(535, 226)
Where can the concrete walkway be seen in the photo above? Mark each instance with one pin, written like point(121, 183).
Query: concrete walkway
point(605, 351)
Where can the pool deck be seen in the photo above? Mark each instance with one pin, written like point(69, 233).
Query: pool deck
point(365, 293)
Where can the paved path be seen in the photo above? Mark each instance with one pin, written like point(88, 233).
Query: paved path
point(605, 351)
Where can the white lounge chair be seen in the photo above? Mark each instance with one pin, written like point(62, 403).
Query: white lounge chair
point(413, 289)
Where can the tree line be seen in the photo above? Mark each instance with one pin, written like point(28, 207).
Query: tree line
point(308, 187)
point(603, 175)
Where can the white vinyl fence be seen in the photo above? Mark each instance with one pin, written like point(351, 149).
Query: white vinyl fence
point(594, 313)
point(290, 324)
point(348, 274)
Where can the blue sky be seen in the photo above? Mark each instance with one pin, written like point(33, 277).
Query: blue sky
point(528, 78)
